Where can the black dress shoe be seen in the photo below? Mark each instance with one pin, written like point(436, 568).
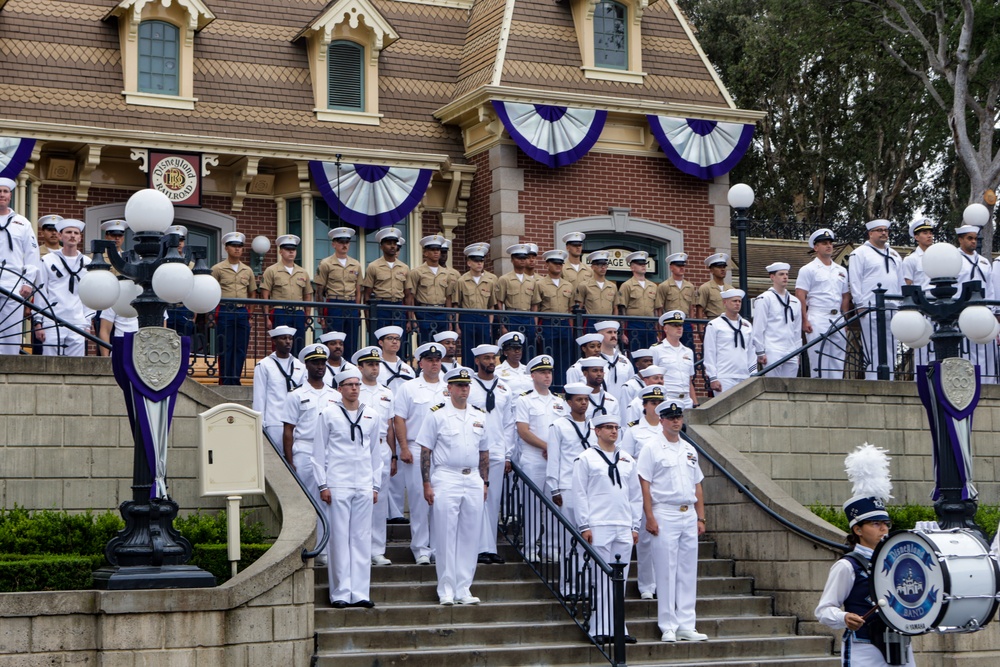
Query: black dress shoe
point(365, 604)
point(629, 639)
point(485, 559)
point(340, 604)
point(497, 558)
point(602, 639)
point(398, 521)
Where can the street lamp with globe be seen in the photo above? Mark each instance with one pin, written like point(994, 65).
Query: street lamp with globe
point(741, 199)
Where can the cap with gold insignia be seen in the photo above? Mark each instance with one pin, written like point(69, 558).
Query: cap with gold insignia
point(281, 331)
point(430, 350)
point(607, 324)
point(388, 331)
point(234, 238)
point(349, 373)
point(777, 266)
point(877, 224)
point(599, 256)
point(370, 353)
point(445, 335)
point(653, 391)
point(642, 353)
point(113, 226)
point(288, 241)
point(477, 250)
point(314, 351)
point(574, 237)
point(558, 256)
point(76, 224)
point(388, 234)
point(604, 420)
point(511, 339)
point(459, 375)
point(921, 225)
point(640, 256)
point(734, 293)
point(650, 371)
point(542, 362)
point(578, 389)
point(672, 317)
point(341, 233)
point(677, 258)
point(518, 249)
point(485, 348)
point(331, 336)
point(665, 409)
point(589, 338)
point(51, 220)
point(819, 235)
point(718, 258)
point(180, 230)
point(431, 242)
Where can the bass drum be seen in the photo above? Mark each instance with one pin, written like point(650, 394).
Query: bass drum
point(941, 580)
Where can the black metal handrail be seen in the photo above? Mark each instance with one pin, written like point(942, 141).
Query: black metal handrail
point(47, 312)
point(567, 564)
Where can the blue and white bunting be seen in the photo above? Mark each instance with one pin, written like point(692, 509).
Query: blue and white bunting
point(368, 195)
point(554, 136)
point(14, 154)
point(702, 148)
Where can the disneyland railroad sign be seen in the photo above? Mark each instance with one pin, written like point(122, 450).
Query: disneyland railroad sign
point(178, 176)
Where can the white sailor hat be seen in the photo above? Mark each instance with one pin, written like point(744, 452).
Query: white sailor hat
point(485, 348)
point(532, 248)
point(445, 335)
point(288, 239)
point(593, 362)
point(479, 250)
point(331, 336)
point(370, 353)
point(599, 256)
point(574, 237)
point(113, 226)
point(340, 233)
point(651, 370)
point(604, 420)
point(388, 234)
point(876, 224)
point(511, 338)
point(778, 266)
point(819, 235)
point(387, 331)
point(349, 373)
point(51, 220)
point(555, 256)
point(672, 317)
point(69, 222)
point(607, 324)
point(281, 331)
point(652, 392)
point(428, 349)
point(7, 183)
point(967, 229)
point(637, 256)
point(578, 389)
point(180, 230)
point(432, 241)
point(314, 351)
point(234, 238)
point(518, 249)
point(677, 258)
point(445, 245)
point(458, 375)
point(642, 353)
point(542, 362)
point(589, 338)
point(665, 409)
point(734, 293)
point(921, 225)
point(717, 258)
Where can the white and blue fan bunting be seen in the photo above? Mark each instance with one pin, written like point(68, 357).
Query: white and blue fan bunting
point(368, 195)
point(555, 136)
point(14, 154)
point(701, 148)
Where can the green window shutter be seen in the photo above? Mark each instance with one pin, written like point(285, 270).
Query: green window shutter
point(346, 76)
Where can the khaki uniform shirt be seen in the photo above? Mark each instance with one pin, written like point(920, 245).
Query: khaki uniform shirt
point(596, 300)
point(284, 286)
point(386, 283)
point(44, 250)
point(465, 293)
point(514, 294)
point(239, 284)
point(552, 298)
point(709, 297)
point(636, 299)
point(428, 289)
point(575, 276)
point(670, 297)
point(453, 276)
point(340, 282)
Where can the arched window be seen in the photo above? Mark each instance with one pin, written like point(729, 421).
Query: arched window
point(610, 35)
point(159, 56)
point(346, 76)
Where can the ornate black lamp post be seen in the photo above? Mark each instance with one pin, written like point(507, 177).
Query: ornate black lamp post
point(741, 199)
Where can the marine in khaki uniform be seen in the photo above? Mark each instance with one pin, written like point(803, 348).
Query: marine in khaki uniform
point(575, 270)
point(48, 235)
point(708, 297)
point(385, 280)
point(427, 285)
point(597, 295)
point(475, 289)
point(637, 297)
point(554, 294)
point(453, 274)
point(287, 281)
point(232, 329)
point(514, 292)
point(338, 280)
point(675, 293)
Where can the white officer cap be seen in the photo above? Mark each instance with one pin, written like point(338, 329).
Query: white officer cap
point(387, 331)
point(607, 324)
point(672, 317)
point(637, 256)
point(180, 230)
point(665, 409)
point(578, 389)
point(113, 226)
point(458, 375)
point(589, 338)
point(370, 353)
point(432, 241)
point(733, 293)
point(485, 348)
point(967, 229)
point(921, 225)
point(446, 244)
point(347, 374)
point(511, 338)
point(555, 256)
point(331, 336)
point(574, 237)
point(542, 362)
point(517, 249)
point(477, 250)
point(340, 233)
point(777, 266)
point(51, 220)
point(234, 238)
point(875, 224)
point(288, 239)
point(717, 258)
point(70, 222)
point(653, 391)
point(532, 248)
point(281, 331)
point(599, 256)
point(388, 234)
point(445, 335)
point(593, 362)
point(677, 258)
point(428, 349)
point(7, 183)
point(603, 420)
point(651, 370)
point(823, 234)
point(643, 353)
point(314, 351)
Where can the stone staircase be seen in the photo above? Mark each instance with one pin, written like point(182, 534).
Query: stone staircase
point(520, 623)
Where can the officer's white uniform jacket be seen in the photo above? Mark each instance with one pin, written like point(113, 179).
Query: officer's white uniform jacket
point(677, 363)
point(340, 462)
point(538, 412)
point(825, 287)
point(518, 380)
point(301, 409)
point(331, 371)
point(607, 401)
point(672, 470)
point(270, 387)
point(867, 271)
point(414, 400)
point(500, 426)
point(638, 434)
point(913, 269)
point(567, 440)
point(23, 259)
point(455, 437)
point(65, 304)
point(381, 399)
point(598, 501)
point(391, 374)
point(724, 357)
point(777, 330)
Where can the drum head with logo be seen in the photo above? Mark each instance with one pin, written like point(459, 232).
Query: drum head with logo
point(907, 575)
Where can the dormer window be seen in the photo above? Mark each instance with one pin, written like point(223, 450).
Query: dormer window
point(159, 56)
point(610, 35)
point(610, 38)
point(346, 76)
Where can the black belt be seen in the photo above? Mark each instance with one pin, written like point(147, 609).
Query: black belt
point(431, 305)
point(374, 301)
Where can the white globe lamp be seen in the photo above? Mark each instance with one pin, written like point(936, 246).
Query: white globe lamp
point(976, 322)
point(741, 196)
point(926, 337)
point(172, 282)
point(261, 244)
point(989, 338)
point(908, 326)
point(127, 293)
point(942, 260)
point(204, 295)
point(99, 289)
point(149, 211)
point(976, 214)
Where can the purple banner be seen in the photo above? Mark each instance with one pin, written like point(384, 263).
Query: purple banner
point(14, 154)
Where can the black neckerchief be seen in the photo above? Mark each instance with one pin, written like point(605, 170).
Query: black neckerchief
point(786, 304)
point(616, 477)
point(333, 375)
point(10, 237)
point(612, 365)
point(737, 331)
point(491, 399)
point(885, 255)
point(584, 439)
point(598, 406)
point(395, 373)
point(289, 383)
point(974, 262)
point(354, 424)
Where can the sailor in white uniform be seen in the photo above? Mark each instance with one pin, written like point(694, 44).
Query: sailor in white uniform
point(777, 323)
point(511, 370)
point(651, 376)
point(22, 266)
point(64, 268)
point(873, 264)
point(676, 360)
point(922, 232)
point(590, 346)
point(601, 401)
point(640, 359)
point(821, 286)
point(977, 267)
point(728, 346)
point(393, 373)
point(334, 341)
point(273, 378)
point(619, 368)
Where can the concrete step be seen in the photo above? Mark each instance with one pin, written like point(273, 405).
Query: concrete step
point(399, 551)
point(806, 661)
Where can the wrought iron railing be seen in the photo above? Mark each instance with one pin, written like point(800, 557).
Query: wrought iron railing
point(320, 512)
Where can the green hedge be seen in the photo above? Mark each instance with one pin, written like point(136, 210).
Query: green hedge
point(21, 573)
point(51, 532)
point(905, 517)
point(215, 558)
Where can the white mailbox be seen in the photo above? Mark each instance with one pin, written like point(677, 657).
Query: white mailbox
point(231, 451)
